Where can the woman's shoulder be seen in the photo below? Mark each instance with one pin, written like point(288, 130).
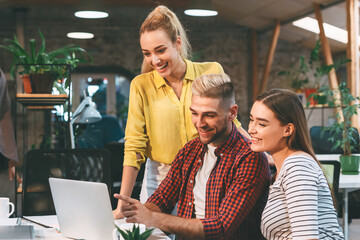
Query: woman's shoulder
point(205, 67)
point(144, 82)
point(142, 78)
point(300, 162)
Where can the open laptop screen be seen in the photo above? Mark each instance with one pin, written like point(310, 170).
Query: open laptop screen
point(83, 209)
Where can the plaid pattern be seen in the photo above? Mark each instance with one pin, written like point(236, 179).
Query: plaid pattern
point(236, 190)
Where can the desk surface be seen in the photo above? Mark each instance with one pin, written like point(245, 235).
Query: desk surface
point(349, 181)
point(52, 231)
point(345, 181)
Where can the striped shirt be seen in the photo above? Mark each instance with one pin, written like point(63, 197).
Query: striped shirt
point(300, 204)
point(236, 190)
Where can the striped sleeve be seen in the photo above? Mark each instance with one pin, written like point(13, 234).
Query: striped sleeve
point(300, 188)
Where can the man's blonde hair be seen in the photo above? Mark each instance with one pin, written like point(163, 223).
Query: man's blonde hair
point(214, 86)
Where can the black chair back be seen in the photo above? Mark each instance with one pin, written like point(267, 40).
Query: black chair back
point(77, 164)
point(117, 158)
point(332, 172)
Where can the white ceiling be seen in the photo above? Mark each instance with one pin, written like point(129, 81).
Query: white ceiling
point(262, 14)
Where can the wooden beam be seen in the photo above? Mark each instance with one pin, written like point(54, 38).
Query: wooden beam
point(254, 64)
point(270, 57)
point(352, 51)
point(328, 58)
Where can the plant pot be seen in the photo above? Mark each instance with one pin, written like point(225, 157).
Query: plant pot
point(321, 99)
point(41, 82)
point(309, 91)
point(350, 164)
point(26, 82)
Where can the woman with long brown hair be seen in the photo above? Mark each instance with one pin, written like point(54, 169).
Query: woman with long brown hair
point(300, 204)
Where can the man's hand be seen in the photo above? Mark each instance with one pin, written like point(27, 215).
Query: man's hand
point(134, 210)
point(11, 171)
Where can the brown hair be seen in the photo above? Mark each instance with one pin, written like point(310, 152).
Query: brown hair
point(288, 108)
point(163, 18)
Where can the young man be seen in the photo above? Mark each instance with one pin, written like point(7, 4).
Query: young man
point(220, 185)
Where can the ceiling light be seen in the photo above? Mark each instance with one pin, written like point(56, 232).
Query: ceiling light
point(201, 8)
point(200, 12)
point(91, 14)
point(80, 35)
point(331, 31)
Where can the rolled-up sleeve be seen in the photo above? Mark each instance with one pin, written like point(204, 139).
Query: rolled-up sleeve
point(135, 136)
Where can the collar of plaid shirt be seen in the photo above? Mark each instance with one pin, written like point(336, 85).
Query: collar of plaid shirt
point(236, 190)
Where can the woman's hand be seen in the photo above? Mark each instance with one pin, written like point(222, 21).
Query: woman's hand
point(117, 214)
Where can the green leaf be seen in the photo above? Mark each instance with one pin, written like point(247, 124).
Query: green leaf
point(145, 235)
point(283, 73)
point(134, 234)
point(314, 55)
point(33, 50)
point(42, 48)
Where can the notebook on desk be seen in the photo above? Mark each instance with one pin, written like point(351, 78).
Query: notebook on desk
point(83, 209)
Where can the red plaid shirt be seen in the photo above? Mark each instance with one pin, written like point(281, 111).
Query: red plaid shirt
point(236, 191)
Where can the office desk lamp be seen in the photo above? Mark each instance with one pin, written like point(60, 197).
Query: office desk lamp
point(84, 113)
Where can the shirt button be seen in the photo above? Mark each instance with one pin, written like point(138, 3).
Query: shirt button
point(199, 160)
point(191, 181)
point(189, 203)
point(221, 154)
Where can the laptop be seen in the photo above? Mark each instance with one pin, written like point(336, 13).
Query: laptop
point(83, 209)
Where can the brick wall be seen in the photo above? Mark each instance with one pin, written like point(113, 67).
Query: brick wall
point(116, 43)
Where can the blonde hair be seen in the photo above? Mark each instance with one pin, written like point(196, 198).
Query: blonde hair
point(216, 85)
point(163, 18)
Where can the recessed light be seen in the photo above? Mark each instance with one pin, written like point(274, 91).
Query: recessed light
point(200, 12)
point(91, 14)
point(80, 35)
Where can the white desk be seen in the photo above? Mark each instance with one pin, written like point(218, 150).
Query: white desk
point(347, 183)
point(52, 232)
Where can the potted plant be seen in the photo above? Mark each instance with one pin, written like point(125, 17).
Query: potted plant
point(310, 75)
point(137, 232)
point(43, 66)
point(342, 134)
point(296, 75)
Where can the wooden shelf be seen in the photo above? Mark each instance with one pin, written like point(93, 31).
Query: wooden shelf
point(317, 106)
point(41, 100)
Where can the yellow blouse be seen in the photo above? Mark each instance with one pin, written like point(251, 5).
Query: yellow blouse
point(158, 123)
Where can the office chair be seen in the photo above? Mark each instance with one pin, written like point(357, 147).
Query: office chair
point(117, 158)
point(78, 164)
point(98, 134)
point(332, 172)
point(322, 145)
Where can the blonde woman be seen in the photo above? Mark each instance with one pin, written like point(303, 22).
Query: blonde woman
point(159, 120)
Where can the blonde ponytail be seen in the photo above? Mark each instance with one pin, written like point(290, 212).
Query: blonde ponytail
point(163, 18)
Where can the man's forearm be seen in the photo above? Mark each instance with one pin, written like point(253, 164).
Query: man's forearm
point(181, 227)
point(150, 215)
